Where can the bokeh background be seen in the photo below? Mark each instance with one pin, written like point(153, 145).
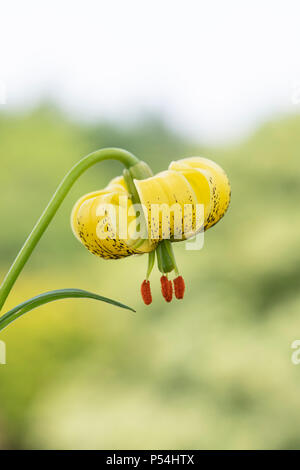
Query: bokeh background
point(164, 80)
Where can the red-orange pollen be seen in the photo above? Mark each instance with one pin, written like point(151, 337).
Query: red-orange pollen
point(170, 291)
point(179, 287)
point(146, 292)
point(166, 288)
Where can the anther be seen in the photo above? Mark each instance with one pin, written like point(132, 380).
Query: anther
point(170, 291)
point(166, 288)
point(179, 287)
point(146, 292)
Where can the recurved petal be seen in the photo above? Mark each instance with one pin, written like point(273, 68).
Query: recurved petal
point(220, 186)
point(103, 221)
point(169, 203)
point(200, 180)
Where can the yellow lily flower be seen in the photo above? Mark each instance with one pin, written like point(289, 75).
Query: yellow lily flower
point(95, 230)
point(111, 225)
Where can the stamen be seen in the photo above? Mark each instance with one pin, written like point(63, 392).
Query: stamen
point(146, 292)
point(179, 287)
point(166, 288)
point(170, 291)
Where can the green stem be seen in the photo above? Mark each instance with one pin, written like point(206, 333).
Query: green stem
point(139, 171)
point(170, 251)
point(151, 261)
point(123, 156)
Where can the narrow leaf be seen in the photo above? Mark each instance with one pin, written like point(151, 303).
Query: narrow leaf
point(51, 296)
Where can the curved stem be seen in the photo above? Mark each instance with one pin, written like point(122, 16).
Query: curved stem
point(123, 156)
point(151, 261)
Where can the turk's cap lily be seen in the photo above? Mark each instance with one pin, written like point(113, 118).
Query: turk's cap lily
point(143, 213)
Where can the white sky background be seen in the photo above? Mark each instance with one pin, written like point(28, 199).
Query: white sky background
point(214, 69)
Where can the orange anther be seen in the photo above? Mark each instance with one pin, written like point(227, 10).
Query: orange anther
point(179, 287)
point(146, 292)
point(166, 288)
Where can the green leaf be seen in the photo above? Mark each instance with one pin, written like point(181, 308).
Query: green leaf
point(51, 296)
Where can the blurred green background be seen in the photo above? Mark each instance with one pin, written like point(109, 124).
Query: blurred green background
point(213, 371)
